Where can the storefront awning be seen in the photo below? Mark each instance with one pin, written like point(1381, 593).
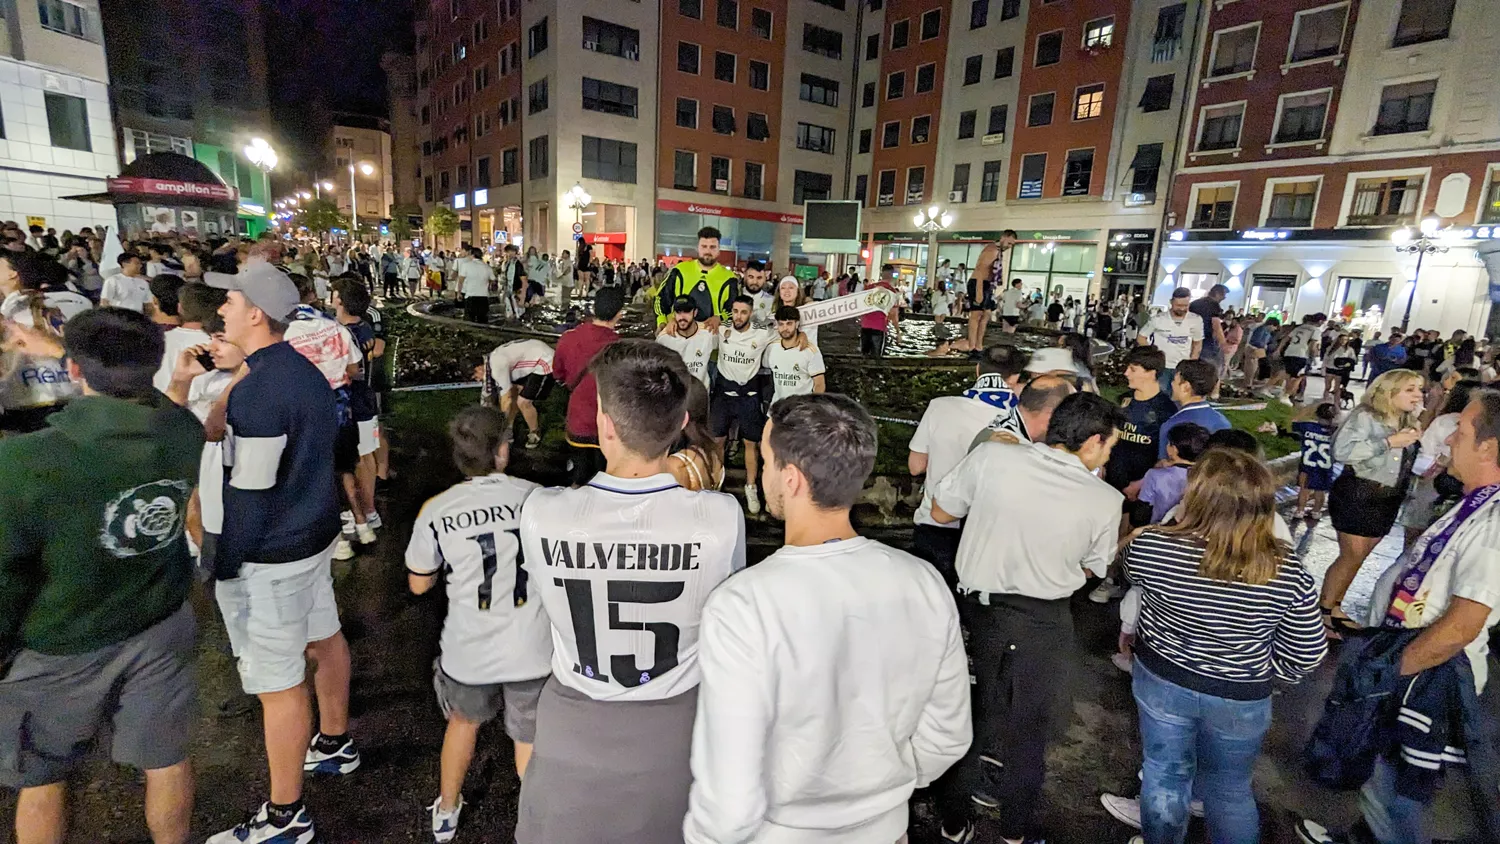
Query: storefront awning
point(1147, 157)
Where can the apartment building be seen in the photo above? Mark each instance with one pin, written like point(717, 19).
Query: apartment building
point(1318, 129)
point(56, 138)
point(1050, 118)
point(406, 132)
point(667, 117)
point(189, 76)
point(359, 163)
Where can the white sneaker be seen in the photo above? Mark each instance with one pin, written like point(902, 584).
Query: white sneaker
point(1122, 661)
point(365, 533)
point(1126, 810)
point(344, 550)
point(1107, 590)
point(346, 524)
point(259, 829)
point(752, 499)
point(372, 519)
point(445, 824)
point(533, 440)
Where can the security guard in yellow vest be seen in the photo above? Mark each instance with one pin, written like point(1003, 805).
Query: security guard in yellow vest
point(705, 282)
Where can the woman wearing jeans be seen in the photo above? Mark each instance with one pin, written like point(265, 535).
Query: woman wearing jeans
point(1225, 608)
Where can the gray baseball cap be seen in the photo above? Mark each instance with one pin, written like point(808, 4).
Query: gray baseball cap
point(266, 287)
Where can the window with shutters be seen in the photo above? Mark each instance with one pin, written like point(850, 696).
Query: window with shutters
point(1234, 50)
point(1301, 117)
point(1145, 171)
point(1158, 93)
point(1213, 207)
point(966, 124)
point(989, 182)
point(1292, 204)
point(817, 89)
point(1318, 33)
point(685, 170)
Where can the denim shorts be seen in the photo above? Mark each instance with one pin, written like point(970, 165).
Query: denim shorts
point(273, 612)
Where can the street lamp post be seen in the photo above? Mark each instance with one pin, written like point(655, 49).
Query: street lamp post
point(1422, 245)
point(932, 220)
point(320, 186)
point(578, 199)
point(366, 168)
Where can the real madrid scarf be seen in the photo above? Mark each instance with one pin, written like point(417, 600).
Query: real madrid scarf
point(992, 390)
point(1412, 577)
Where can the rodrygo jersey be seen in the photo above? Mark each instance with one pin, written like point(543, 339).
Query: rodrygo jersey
point(695, 350)
point(496, 631)
point(515, 360)
point(622, 568)
point(740, 352)
point(793, 369)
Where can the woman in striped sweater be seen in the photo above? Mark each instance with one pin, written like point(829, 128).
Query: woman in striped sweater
point(1226, 607)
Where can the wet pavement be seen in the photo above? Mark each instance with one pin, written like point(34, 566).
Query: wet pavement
point(395, 719)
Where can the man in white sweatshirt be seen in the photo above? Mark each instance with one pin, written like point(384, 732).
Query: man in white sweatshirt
point(834, 676)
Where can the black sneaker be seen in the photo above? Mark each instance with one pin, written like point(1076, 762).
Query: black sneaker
point(963, 836)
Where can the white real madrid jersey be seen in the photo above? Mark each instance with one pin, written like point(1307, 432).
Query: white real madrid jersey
point(495, 631)
point(622, 568)
point(695, 350)
point(793, 369)
point(517, 359)
point(740, 352)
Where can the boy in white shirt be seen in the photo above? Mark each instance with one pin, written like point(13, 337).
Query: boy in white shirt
point(686, 336)
point(496, 642)
point(129, 287)
point(834, 674)
point(796, 364)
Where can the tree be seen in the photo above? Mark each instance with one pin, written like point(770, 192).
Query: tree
point(401, 216)
point(320, 216)
point(443, 221)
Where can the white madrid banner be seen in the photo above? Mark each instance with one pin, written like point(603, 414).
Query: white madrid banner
point(853, 305)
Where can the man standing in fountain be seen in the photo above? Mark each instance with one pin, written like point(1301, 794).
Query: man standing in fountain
point(989, 272)
point(710, 285)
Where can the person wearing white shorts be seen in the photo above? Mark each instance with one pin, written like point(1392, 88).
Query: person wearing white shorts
point(273, 612)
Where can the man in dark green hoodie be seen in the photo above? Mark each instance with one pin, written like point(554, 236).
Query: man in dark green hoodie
point(95, 629)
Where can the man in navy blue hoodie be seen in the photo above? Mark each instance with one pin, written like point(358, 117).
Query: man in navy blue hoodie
point(281, 519)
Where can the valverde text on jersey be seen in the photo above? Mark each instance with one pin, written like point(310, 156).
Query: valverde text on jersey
point(623, 556)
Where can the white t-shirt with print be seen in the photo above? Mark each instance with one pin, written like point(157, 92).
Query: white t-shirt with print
point(793, 369)
point(1175, 337)
point(695, 350)
point(741, 352)
point(122, 291)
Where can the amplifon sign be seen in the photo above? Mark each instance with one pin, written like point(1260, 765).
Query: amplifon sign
point(167, 187)
point(737, 213)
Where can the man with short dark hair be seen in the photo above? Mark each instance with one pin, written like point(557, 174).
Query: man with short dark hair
point(128, 287)
point(95, 628)
point(630, 545)
point(736, 392)
point(1210, 309)
point(475, 283)
point(281, 523)
point(795, 364)
point(829, 604)
point(570, 366)
point(1300, 346)
point(691, 339)
point(872, 326)
point(1176, 332)
point(195, 303)
point(1039, 399)
point(1015, 576)
point(1194, 382)
point(1146, 408)
point(979, 299)
point(762, 297)
point(512, 279)
point(1447, 586)
point(709, 284)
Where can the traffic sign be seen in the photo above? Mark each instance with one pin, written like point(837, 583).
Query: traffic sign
point(578, 236)
point(578, 228)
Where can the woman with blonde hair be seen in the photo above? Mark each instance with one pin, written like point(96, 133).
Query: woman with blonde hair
point(1377, 445)
point(1226, 607)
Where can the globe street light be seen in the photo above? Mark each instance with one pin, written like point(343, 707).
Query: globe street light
point(578, 199)
point(1421, 245)
point(932, 220)
point(366, 168)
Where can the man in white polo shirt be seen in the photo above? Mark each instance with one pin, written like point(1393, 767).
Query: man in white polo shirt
point(948, 426)
point(475, 280)
point(1176, 332)
point(1015, 576)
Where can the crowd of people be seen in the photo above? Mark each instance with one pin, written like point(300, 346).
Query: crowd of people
point(217, 413)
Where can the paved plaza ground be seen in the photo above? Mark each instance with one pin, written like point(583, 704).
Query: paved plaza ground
point(395, 719)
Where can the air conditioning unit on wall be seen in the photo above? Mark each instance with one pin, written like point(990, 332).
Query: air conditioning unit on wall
point(955, 196)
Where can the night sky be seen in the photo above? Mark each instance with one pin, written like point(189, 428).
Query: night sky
point(324, 58)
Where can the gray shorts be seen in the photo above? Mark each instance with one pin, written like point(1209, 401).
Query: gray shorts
point(52, 708)
point(481, 704)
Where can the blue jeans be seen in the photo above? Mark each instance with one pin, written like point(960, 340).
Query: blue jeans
point(1392, 819)
point(1197, 744)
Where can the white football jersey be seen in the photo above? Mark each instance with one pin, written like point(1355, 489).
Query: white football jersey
point(496, 631)
point(517, 359)
point(740, 352)
point(695, 350)
point(793, 369)
point(622, 568)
